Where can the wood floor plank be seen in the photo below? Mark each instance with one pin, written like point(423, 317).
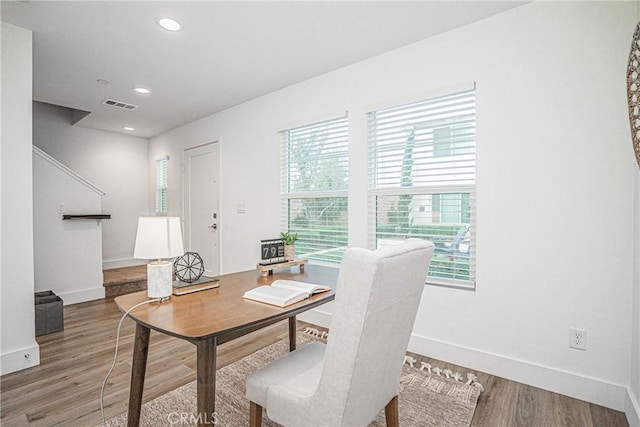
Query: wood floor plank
point(64, 389)
point(532, 407)
point(570, 412)
point(602, 416)
point(496, 405)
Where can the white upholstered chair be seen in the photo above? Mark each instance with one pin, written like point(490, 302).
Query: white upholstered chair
point(350, 379)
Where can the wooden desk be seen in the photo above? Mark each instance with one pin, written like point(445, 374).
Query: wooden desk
point(209, 318)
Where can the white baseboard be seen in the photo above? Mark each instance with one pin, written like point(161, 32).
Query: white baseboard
point(119, 263)
point(16, 360)
point(632, 409)
point(82, 295)
point(570, 384)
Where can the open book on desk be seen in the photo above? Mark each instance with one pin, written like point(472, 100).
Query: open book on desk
point(284, 292)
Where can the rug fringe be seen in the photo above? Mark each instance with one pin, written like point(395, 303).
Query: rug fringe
point(472, 379)
point(316, 333)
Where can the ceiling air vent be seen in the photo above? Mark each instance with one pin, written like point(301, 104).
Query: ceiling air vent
point(119, 104)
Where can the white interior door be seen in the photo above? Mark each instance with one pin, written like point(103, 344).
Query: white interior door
point(201, 204)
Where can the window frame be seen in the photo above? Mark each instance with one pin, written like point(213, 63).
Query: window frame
point(162, 188)
point(404, 186)
point(289, 194)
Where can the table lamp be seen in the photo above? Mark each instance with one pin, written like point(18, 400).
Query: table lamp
point(159, 237)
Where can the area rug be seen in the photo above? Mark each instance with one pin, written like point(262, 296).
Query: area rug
point(428, 396)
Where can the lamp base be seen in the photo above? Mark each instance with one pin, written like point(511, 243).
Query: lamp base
point(159, 279)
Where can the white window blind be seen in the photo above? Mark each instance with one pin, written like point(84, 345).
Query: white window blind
point(314, 183)
point(161, 186)
point(422, 178)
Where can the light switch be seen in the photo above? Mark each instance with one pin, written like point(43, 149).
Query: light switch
point(60, 208)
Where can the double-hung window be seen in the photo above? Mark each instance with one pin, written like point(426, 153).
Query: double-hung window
point(314, 183)
point(422, 180)
point(161, 186)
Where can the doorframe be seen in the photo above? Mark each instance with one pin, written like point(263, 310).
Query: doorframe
point(217, 140)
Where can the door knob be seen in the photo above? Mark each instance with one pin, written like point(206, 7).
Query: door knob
point(214, 226)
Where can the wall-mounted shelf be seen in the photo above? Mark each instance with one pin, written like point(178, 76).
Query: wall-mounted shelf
point(93, 217)
point(87, 216)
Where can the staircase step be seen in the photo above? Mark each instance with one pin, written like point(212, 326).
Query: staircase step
point(124, 280)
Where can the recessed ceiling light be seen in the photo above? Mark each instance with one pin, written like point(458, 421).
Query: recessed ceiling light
point(169, 24)
point(142, 90)
point(129, 128)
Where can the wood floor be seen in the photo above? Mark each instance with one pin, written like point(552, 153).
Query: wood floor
point(64, 389)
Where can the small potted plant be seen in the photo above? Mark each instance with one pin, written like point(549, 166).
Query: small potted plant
point(289, 240)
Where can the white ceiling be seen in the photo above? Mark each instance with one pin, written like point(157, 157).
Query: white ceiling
point(227, 53)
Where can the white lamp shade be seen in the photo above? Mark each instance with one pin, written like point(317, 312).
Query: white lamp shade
point(158, 237)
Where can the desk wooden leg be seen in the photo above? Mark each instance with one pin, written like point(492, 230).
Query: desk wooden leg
point(292, 333)
point(206, 381)
point(139, 366)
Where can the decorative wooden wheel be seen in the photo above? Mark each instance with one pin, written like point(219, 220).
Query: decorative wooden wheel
point(633, 91)
point(188, 267)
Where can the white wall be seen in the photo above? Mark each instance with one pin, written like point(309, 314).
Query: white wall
point(555, 209)
point(115, 163)
point(67, 254)
point(555, 182)
point(632, 407)
point(16, 280)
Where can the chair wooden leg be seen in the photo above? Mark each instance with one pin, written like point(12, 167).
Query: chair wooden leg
point(391, 413)
point(255, 415)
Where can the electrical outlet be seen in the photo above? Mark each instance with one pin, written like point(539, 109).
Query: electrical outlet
point(578, 338)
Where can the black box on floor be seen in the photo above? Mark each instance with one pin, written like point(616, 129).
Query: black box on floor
point(49, 316)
